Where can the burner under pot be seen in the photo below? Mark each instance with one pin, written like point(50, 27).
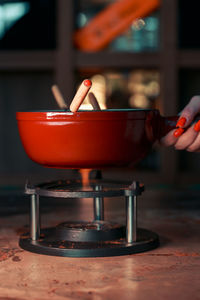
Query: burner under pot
point(89, 231)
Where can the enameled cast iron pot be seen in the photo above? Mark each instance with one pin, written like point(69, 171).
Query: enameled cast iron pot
point(91, 139)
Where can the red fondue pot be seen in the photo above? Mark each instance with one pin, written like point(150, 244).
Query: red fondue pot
point(91, 139)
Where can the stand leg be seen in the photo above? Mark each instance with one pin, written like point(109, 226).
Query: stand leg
point(98, 206)
point(35, 218)
point(131, 219)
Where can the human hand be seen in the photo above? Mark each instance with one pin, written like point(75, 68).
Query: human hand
point(186, 139)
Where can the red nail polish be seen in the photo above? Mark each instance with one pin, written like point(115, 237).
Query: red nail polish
point(197, 126)
point(178, 132)
point(181, 122)
point(87, 82)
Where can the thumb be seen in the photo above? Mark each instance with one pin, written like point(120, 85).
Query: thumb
point(188, 114)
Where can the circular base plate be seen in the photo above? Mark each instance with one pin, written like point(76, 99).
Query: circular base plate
point(146, 240)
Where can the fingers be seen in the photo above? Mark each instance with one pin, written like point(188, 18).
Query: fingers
point(186, 139)
point(181, 138)
point(169, 139)
point(189, 112)
point(189, 140)
point(195, 146)
point(187, 116)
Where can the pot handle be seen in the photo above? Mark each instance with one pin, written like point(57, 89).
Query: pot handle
point(166, 124)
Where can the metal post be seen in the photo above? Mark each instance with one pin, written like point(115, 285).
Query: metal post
point(98, 206)
point(131, 219)
point(35, 218)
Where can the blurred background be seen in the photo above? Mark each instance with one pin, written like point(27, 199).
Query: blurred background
point(154, 63)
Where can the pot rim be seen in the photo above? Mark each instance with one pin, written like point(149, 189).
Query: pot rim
point(106, 114)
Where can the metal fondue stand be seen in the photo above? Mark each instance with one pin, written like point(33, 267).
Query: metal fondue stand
point(87, 239)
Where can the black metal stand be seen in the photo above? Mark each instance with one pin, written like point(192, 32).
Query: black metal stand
point(88, 239)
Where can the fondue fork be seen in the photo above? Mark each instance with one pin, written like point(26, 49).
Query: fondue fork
point(58, 97)
point(93, 101)
point(80, 95)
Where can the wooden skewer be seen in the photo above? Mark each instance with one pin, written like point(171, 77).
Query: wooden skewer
point(93, 101)
point(80, 95)
point(58, 97)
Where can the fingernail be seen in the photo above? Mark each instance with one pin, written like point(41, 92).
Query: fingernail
point(178, 132)
point(181, 122)
point(197, 126)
